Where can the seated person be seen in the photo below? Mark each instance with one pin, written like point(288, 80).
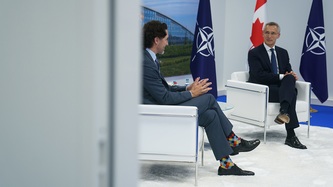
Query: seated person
point(222, 139)
point(269, 65)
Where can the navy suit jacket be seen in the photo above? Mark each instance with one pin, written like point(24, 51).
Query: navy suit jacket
point(260, 66)
point(155, 88)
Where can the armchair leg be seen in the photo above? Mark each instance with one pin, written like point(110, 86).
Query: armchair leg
point(202, 146)
point(308, 122)
point(196, 174)
point(202, 153)
point(265, 130)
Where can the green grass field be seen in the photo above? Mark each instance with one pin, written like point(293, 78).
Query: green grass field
point(176, 60)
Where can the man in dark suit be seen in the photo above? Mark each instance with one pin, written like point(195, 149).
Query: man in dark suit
point(269, 65)
point(156, 90)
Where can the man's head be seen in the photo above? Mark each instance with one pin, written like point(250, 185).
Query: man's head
point(271, 33)
point(155, 36)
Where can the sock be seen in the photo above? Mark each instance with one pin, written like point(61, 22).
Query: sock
point(290, 133)
point(233, 139)
point(226, 163)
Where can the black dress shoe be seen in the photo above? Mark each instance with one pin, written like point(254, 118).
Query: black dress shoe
point(245, 146)
point(295, 143)
point(282, 118)
point(235, 170)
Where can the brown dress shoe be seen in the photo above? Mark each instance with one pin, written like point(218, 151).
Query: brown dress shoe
point(282, 118)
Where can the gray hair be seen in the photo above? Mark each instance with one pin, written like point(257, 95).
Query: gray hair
point(273, 24)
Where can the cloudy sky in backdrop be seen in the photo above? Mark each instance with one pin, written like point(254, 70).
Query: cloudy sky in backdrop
point(182, 11)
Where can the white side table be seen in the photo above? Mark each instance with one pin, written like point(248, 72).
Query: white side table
point(226, 108)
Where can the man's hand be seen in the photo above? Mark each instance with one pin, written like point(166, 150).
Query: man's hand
point(199, 87)
point(291, 73)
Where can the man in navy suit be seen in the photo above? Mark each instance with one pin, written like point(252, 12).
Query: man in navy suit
point(156, 90)
point(269, 65)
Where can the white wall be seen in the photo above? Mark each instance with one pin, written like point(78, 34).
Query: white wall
point(58, 103)
point(125, 85)
point(232, 22)
point(46, 93)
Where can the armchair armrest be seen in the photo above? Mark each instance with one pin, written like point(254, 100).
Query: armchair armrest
point(167, 110)
point(168, 132)
point(248, 99)
point(246, 86)
point(303, 91)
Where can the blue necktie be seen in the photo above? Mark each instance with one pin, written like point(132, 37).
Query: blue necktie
point(157, 64)
point(273, 61)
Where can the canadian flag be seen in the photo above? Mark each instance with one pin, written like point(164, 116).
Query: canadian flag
point(258, 23)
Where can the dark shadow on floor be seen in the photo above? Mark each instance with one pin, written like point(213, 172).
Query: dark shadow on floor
point(165, 171)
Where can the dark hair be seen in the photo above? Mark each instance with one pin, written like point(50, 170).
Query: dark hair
point(151, 30)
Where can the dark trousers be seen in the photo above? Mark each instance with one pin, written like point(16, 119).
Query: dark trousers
point(286, 92)
point(216, 124)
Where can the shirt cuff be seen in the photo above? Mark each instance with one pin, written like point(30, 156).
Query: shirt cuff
point(191, 93)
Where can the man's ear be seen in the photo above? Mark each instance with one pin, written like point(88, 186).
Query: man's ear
point(156, 39)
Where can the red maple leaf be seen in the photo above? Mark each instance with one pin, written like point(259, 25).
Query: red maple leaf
point(256, 36)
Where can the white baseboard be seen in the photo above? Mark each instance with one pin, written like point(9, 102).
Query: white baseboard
point(221, 92)
point(328, 102)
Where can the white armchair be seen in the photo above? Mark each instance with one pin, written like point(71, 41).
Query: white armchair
point(170, 133)
point(251, 104)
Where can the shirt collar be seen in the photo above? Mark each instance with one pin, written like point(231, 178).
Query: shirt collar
point(152, 54)
point(268, 48)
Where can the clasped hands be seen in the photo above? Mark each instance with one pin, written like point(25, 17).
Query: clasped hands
point(291, 73)
point(199, 87)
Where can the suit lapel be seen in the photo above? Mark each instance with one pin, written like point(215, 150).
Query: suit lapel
point(265, 57)
point(153, 64)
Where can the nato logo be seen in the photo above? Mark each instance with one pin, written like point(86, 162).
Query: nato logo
point(205, 42)
point(315, 41)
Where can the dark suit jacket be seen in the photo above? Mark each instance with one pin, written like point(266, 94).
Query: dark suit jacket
point(156, 90)
point(260, 65)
